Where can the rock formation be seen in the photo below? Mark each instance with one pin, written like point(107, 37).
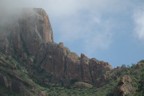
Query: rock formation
point(26, 33)
point(124, 87)
point(29, 39)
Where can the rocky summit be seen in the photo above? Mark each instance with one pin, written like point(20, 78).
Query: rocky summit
point(30, 60)
point(30, 40)
point(27, 33)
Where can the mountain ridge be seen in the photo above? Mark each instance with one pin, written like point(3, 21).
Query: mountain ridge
point(27, 47)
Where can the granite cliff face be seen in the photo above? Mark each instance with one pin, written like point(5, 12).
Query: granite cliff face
point(29, 39)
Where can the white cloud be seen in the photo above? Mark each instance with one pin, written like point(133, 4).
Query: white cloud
point(139, 23)
point(92, 32)
point(62, 8)
point(98, 42)
point(78, 20)
point(81, 21)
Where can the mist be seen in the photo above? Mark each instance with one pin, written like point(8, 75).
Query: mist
point(95, 25)
point(11, 10)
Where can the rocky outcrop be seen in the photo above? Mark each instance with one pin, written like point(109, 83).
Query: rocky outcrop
point(29, 39)
point(66, 67)
point(124, 87)
point(26, 33)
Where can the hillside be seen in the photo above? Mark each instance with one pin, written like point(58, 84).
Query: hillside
point(32, 64)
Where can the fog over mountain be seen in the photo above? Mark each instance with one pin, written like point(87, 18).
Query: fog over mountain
point(106, 27)
point(47, 48)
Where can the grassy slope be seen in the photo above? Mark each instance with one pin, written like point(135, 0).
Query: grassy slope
point(11, 69)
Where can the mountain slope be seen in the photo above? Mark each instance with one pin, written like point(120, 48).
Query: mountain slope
point(15, 81)
point(29, 40)
point(32, 64)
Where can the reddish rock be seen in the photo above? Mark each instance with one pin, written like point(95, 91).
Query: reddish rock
point(85, 70)
point(27, 33)
point(30, 40)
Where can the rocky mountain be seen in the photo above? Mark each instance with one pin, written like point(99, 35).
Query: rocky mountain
point(30, 40)
point(30, 60)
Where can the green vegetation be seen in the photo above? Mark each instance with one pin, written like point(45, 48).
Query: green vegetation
point(11, 70)
point(15, 80)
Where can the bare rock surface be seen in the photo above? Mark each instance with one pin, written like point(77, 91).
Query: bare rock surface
point(29, 39)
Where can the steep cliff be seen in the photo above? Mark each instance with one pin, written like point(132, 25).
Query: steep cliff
point(29, 55)
point(29, 39)
point(26, 33)
point(32, 64)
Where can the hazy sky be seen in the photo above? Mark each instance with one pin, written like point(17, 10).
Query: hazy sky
point(109, 30)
